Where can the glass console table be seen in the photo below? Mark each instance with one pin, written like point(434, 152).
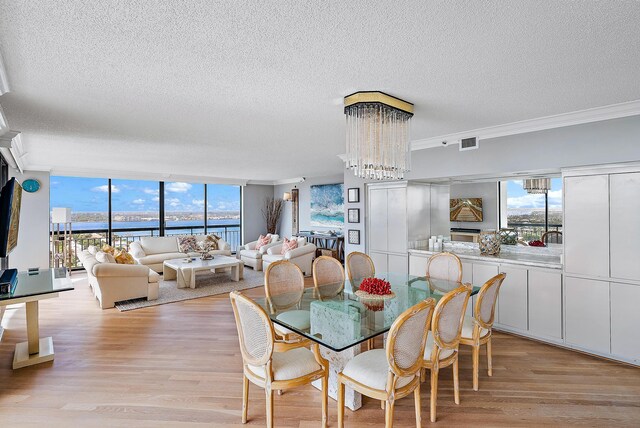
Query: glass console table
point(30, 289)
point(339, 320)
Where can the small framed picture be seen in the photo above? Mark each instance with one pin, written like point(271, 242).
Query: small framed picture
point(354, 215)
point(353, 194)
point(354, 236)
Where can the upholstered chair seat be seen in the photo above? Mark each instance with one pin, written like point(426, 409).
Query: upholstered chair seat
point(444, 353)
point(371, 369)
point(289, 365)
point(298, 318)
point(467, 329)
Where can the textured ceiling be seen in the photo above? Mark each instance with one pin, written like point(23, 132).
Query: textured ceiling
point(253, 90)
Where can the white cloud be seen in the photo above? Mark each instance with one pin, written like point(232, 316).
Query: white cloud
point(105, 188)
point(151, 191)
point(155, 198)
point(173, 202)
point(555, 199)
point(198, 203)
point(138, 201)
point(178, 187)
point(536, 200)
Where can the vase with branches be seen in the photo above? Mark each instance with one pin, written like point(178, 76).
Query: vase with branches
point(272, 210)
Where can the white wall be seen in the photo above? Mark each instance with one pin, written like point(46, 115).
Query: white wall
point(33, 237)
point(253, 223)
point(489, 194)
point(304, 204)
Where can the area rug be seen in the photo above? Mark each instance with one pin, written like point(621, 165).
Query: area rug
point(207, 284)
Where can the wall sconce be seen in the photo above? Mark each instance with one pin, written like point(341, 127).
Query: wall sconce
point(286, 197)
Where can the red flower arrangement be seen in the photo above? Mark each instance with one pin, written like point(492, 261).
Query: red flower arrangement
point(376, 286)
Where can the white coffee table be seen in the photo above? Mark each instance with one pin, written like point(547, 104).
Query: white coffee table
point(185, 272)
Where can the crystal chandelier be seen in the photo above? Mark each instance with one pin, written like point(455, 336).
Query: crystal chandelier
point(378, 145)
point(537, 185)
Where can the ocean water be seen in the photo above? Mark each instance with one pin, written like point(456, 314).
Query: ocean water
point(100, 226)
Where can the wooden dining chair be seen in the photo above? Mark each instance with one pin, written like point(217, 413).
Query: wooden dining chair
point(284, 287)
point(393, 373)
point(552, 237)
point(445, 266)
point(264, 366)
point(328, 277)
point(441, 349)
point(359, 266)
point(476, 330)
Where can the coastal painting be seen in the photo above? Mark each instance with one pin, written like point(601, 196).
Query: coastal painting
point(327, 205)
point(465, 209)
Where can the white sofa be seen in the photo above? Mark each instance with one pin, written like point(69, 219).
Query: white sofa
point(252, 257)
point(152, 251)
point(112, 282)
point(302, 256)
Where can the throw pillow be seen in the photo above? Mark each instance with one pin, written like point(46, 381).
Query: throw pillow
point(123, 258)
point(108, 249)
point(103, 257)
point(187, 244)
point(211, 242)
point(288, 245)
point(92, 249)
point(263, 240)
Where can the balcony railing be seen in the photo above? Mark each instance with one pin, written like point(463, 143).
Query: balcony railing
point(122, 237)
point(531, 232)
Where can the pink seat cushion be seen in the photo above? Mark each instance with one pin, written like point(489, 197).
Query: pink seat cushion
point(289, 245)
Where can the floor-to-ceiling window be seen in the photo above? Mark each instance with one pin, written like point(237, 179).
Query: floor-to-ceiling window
point(120, 211)
point(532, 214)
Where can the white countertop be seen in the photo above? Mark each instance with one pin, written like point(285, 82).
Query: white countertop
point(545, 257)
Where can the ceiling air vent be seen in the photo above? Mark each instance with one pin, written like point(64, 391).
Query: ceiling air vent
point(468, 144)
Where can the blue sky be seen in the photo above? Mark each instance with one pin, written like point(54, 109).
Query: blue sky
point(517, 197)
point(90, 195)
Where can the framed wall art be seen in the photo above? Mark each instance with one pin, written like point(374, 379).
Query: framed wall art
point(353, 194)
point(354, 236)
point(353, 215)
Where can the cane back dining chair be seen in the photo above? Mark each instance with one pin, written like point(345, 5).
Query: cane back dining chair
point(359, 266)
point(283, 288)
point(476, 330)
point(445, 266)
point(328, 277)
point(394, 373)
point(552, 237)
point(267, 368)
point(441, 349)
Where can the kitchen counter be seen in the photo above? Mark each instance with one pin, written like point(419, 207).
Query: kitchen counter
point(544, 257)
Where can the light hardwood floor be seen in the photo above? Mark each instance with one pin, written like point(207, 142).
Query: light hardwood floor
point(180, 365)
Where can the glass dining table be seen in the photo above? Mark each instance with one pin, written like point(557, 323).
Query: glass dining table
point(338, 320)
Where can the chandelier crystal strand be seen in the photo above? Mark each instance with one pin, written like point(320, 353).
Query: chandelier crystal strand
point(378, 135)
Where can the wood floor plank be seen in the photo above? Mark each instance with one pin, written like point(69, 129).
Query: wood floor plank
point(179, 365)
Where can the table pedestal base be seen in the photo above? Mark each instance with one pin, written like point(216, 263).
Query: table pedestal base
point(337, 361)
point(22, 358)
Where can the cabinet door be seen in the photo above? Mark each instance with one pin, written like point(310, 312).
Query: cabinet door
point(379, 262)
point(397, 220)
point(587, 314)
point(398, 264)
point(512, 298)
point(625, 320)
point(586, 225)
point(625, 225)
point(377, 232)
point(545, 303)
point(418, 265)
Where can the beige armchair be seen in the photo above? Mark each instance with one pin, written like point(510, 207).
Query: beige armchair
point(112, 282)
point(302, 256)
point(252, 257)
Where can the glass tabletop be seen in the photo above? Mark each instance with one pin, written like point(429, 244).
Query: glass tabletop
point(40, 282)
point(338, 319)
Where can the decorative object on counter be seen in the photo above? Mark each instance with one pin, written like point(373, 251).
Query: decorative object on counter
point(354, 236)
point(489, 243)
point(375, 289)
point(386, 153)
point(508, 236)
point(537, 185)
point(354, 215)
point(353, 194)
point(536, 243)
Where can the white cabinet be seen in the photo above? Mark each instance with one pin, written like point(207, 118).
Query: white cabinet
point(467, 273)
point(398, 263)
point(397, 220)
point(586, 225)
point(625, 321)
point(512, 298)
point(418, 265)
point(380, 261)
point(625, 225)
point(377, 232)
point(481, 273)
point(545, 303)
point(587, 314)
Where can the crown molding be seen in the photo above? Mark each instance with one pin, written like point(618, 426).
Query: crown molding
point(597, 114)
point(4, 80)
